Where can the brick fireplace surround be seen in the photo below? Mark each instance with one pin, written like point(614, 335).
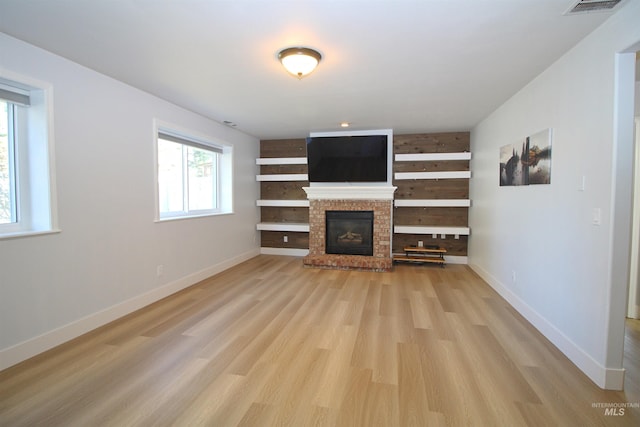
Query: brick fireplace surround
point(351, 198)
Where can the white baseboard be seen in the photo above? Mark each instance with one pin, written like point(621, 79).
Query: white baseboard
point(456, 259)
point(27, 349)
point(284, 251)
point(606, 378)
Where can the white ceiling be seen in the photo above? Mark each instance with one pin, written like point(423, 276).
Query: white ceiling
point(413, 66)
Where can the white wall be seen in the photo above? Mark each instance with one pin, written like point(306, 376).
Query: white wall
point(562, 262)
point(633, 305)
point(103, 263)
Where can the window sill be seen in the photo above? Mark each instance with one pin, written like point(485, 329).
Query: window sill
point(20, 234)
point(178, 218)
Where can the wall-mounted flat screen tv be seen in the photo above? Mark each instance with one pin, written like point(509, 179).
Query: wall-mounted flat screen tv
point(352, 159)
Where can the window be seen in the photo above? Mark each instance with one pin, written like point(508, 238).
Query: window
point(26, 183)
point(191, 176)
point(8, 208)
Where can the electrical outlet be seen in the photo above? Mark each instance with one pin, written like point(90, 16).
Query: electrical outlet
point(285, 239)
point(420, 243)
point(159, 270)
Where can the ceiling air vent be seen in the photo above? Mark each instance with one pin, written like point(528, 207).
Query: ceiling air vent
point(582, 6)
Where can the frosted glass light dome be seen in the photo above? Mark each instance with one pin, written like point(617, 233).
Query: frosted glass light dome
point(299, 61)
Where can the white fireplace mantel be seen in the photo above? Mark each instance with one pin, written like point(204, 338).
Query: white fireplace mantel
point(350, 193)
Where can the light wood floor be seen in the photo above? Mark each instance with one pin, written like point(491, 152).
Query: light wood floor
point(269, 342)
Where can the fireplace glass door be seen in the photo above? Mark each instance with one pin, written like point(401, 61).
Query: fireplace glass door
point(349, 232)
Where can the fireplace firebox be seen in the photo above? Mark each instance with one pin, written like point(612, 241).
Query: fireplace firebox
point(349, 232)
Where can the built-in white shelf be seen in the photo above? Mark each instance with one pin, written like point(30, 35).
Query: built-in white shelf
point(430, 157)
point(282, 161)
point(283, 226)
point(433, 175)
point(416, 229)
point(432, 203)
point(283, 177)
point(284, 203)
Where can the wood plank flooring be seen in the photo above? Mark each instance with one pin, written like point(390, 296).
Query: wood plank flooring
point(270, 343)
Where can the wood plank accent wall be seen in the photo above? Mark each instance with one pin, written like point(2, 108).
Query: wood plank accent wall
point(432, 189)
point(452, 142)
point(284, 214)
point(270, 148)
point(283, 190)
point(291, 190)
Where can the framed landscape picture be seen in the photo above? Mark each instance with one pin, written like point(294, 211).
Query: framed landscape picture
point(527, 162)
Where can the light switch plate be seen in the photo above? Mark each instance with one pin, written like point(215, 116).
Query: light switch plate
point(597, 216)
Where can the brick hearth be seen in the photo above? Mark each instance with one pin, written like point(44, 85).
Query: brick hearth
point(322, 201)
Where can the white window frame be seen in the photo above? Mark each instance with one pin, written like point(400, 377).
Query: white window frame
point(33, 162)
point(223, 181)
point(11, 160)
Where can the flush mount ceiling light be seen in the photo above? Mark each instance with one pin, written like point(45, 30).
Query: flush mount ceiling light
point(299, 61)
